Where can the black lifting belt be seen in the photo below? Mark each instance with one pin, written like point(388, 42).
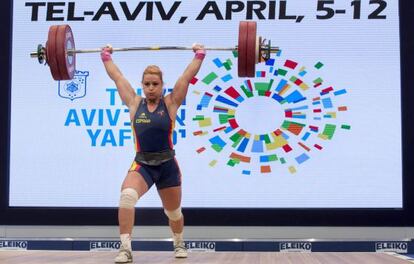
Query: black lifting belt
point(154, 158)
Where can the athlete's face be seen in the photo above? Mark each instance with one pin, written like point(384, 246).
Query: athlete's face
point(152, 85)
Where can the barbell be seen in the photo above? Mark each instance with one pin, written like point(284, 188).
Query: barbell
point(60, 53)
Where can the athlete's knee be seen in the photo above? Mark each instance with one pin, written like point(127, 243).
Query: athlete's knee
point(129, 198)
point(174, 215)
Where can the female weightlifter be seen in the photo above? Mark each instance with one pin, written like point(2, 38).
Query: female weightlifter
point(152, 119)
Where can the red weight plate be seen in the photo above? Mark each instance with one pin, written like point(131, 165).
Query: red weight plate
point(51, 53)
point(251, 48)
point(241, 49)
point(65, 42)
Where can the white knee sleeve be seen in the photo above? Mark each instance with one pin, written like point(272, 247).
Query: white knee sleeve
point(129, 198)
point(174, 215)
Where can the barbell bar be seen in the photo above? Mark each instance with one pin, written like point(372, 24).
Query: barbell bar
point(60, 52)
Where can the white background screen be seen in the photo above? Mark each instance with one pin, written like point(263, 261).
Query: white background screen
point(319, 126)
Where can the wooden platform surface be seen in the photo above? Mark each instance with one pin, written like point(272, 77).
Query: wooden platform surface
point(147, 257)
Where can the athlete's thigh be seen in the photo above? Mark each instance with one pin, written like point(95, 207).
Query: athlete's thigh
point(170, 197)
point(136, 181)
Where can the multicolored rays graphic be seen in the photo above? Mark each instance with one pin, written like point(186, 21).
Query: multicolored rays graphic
point(309, 118)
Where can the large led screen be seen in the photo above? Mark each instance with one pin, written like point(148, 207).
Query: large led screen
point(318, 126)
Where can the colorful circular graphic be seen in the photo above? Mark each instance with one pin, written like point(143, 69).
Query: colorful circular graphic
point(281, 117)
